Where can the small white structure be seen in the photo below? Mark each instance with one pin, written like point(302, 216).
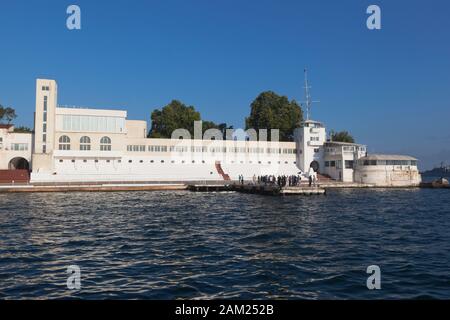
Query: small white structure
point(15, 148)
point(310, 139)
point(340, 158)
point(387, 170)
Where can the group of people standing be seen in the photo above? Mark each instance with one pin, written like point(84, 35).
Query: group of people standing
point(281, 181)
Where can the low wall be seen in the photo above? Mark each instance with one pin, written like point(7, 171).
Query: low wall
point(14, 176)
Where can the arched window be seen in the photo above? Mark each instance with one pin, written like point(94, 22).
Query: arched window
point(105, 144)
point(64, 143)
point(85, 143)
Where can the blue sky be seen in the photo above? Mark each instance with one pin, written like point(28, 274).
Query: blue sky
point(390, 88)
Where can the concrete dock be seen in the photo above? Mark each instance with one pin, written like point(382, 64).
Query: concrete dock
point(195, 186)
point(28, 188)
point(273, 189)
point(209, 187)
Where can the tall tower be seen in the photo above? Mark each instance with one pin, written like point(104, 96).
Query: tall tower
point(44, 126)
point(44, 121)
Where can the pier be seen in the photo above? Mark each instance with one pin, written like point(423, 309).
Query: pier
point(30, 188)
point(273, 189)
point(209, 187)
point(199, 186)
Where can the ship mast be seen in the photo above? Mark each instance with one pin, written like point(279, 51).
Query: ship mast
point(308, 101)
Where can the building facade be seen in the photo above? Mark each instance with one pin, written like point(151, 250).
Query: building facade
point(387, 170)
point(73, 144)
point(15, 148)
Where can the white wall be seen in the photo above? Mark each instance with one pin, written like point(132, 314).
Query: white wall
point(389, 176)
point(6, 151)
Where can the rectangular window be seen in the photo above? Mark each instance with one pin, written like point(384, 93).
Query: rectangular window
point(91, 123)
point(332, 163)
point(19, 146)
point(44, 138)
point(45, 117)
point(64, 146)
point(316, 150)
point(348, 164)
point(45, 103)
point(85, 147)
point(44, 149)
point(327, 163)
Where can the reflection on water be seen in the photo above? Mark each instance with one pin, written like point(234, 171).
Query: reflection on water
point(164, 245)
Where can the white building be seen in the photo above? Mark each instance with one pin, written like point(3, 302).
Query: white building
point(340, 158)
point(81, 144)
point(387, 170)
point(15, 148)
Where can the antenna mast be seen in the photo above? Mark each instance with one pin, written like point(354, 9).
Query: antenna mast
point(308, 102)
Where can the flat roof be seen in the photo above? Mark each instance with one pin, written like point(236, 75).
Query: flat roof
point(91, 112)
point(387, 157)
point(344, 143)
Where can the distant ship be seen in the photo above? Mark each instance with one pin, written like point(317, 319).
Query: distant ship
point(443, 172)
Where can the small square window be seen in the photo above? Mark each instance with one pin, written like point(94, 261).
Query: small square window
point(84, 160)
point(73, 161)
point(130, 161)
point(60, 160)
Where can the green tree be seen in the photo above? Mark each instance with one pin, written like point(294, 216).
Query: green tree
point(22, 129)
point(271, 111)
point(7, 113)
point(222, 127)
point(342, 136)
point(175, 115)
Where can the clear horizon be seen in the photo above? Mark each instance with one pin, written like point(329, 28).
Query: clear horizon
point(388, 87)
